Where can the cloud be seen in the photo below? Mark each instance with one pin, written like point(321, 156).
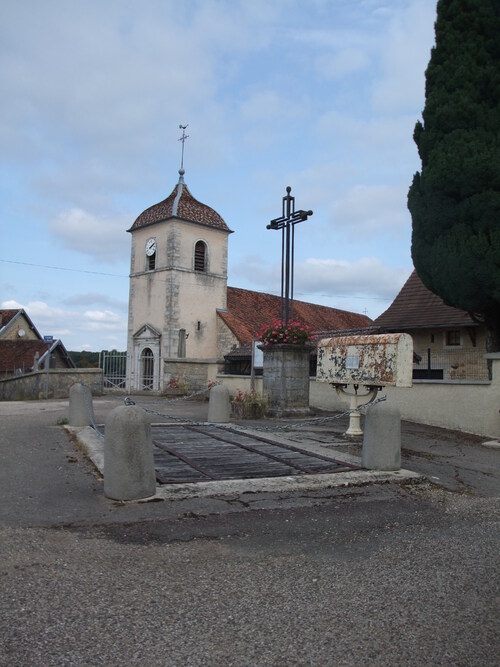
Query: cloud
point(92, 298)
point(365, 139)
point(405, 58)
point(99, 320)
point(367, 276)
point(371, 209)
point(74, 325)
point(99, 237)
point(343, 63)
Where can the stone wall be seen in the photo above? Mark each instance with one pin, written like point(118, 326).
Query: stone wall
point(197, 373)
point(226, 340)
point(55, 384)
point(239, 382)
point(472, 407)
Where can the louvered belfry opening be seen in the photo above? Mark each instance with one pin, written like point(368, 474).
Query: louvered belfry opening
point(200, 256)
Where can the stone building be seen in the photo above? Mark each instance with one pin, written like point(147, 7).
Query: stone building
point(183, 318)
point(448, 344)
point(22, 348)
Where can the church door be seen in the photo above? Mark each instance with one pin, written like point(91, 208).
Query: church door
point(147, 369)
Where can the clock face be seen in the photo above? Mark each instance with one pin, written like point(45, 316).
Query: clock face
point(150, 247)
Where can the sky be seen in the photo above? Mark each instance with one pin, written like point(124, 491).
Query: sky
point(318, 95)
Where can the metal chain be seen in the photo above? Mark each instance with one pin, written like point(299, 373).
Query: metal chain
point(316, 421)
point(90, 412)
point(283, 427)
point(129, 401)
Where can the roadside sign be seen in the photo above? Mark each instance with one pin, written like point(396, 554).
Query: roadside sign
point(48, 339)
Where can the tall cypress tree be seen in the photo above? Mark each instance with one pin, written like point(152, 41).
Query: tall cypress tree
point(454, 200)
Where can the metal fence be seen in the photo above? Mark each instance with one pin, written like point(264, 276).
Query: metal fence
point(450, 365)
point(114, 369)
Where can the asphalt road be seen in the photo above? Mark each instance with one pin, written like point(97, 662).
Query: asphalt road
point(381, 574)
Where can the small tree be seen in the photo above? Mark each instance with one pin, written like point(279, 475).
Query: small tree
point(454, 200)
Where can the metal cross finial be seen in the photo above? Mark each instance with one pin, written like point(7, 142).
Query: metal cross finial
point(183, 139)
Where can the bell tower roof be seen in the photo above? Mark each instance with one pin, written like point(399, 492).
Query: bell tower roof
point(180, 204)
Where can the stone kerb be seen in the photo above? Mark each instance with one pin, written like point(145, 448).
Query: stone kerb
point(129, 472)
point(286, 379)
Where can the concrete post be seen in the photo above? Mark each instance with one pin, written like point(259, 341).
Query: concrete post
point(382, 439)
point(219, 406)
point(81, 411)
point(129, 472)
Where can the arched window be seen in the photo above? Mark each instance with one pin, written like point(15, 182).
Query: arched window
point(200, 256)
point(147, 365)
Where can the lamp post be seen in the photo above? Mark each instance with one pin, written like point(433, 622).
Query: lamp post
point(289, 218)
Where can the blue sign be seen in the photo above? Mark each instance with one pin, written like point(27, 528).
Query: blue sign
point(48, 339)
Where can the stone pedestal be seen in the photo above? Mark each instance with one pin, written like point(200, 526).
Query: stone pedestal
point(81, 411)
point(129, 472)
point(219, 406)
point(286, 379)
point(382, 441)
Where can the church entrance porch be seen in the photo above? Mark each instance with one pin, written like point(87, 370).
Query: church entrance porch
point(144, 371)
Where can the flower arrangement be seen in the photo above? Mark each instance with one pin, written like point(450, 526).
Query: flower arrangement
point(291, 333)
point(178, 384)
point(249, 404)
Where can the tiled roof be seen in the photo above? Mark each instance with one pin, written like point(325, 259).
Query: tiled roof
point(180, 204)
point(16, 354)
point(7, 315)
point(20, 354)
point(248, 312)
point(416, 307)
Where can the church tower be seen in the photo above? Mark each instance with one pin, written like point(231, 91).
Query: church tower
point(178, 282)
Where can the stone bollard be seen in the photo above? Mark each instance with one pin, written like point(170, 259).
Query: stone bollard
point(219, 406)
point(129, 472)
point(81, 411)
point(382, 439)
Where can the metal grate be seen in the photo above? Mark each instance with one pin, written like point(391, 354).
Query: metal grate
point(198, 453)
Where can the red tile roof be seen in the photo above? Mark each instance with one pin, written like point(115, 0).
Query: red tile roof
point(416, 307)
point(180, 204)
point(16, 354)
point(7, 315)
point(249, 311)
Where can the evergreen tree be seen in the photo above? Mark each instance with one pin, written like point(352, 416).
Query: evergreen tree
point(454, 200)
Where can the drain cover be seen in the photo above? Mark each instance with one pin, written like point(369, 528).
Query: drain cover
point(201, 453)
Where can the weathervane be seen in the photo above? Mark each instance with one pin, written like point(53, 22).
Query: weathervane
point(289, 218)
point(183, 139)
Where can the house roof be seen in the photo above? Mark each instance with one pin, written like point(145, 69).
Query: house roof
point(248, 312)
point(180, 204)
point(416, 307)
point(21, 353)
point(6, 315)
point(9, 315)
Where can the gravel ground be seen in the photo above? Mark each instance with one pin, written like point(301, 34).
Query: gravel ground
point(386, 574)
